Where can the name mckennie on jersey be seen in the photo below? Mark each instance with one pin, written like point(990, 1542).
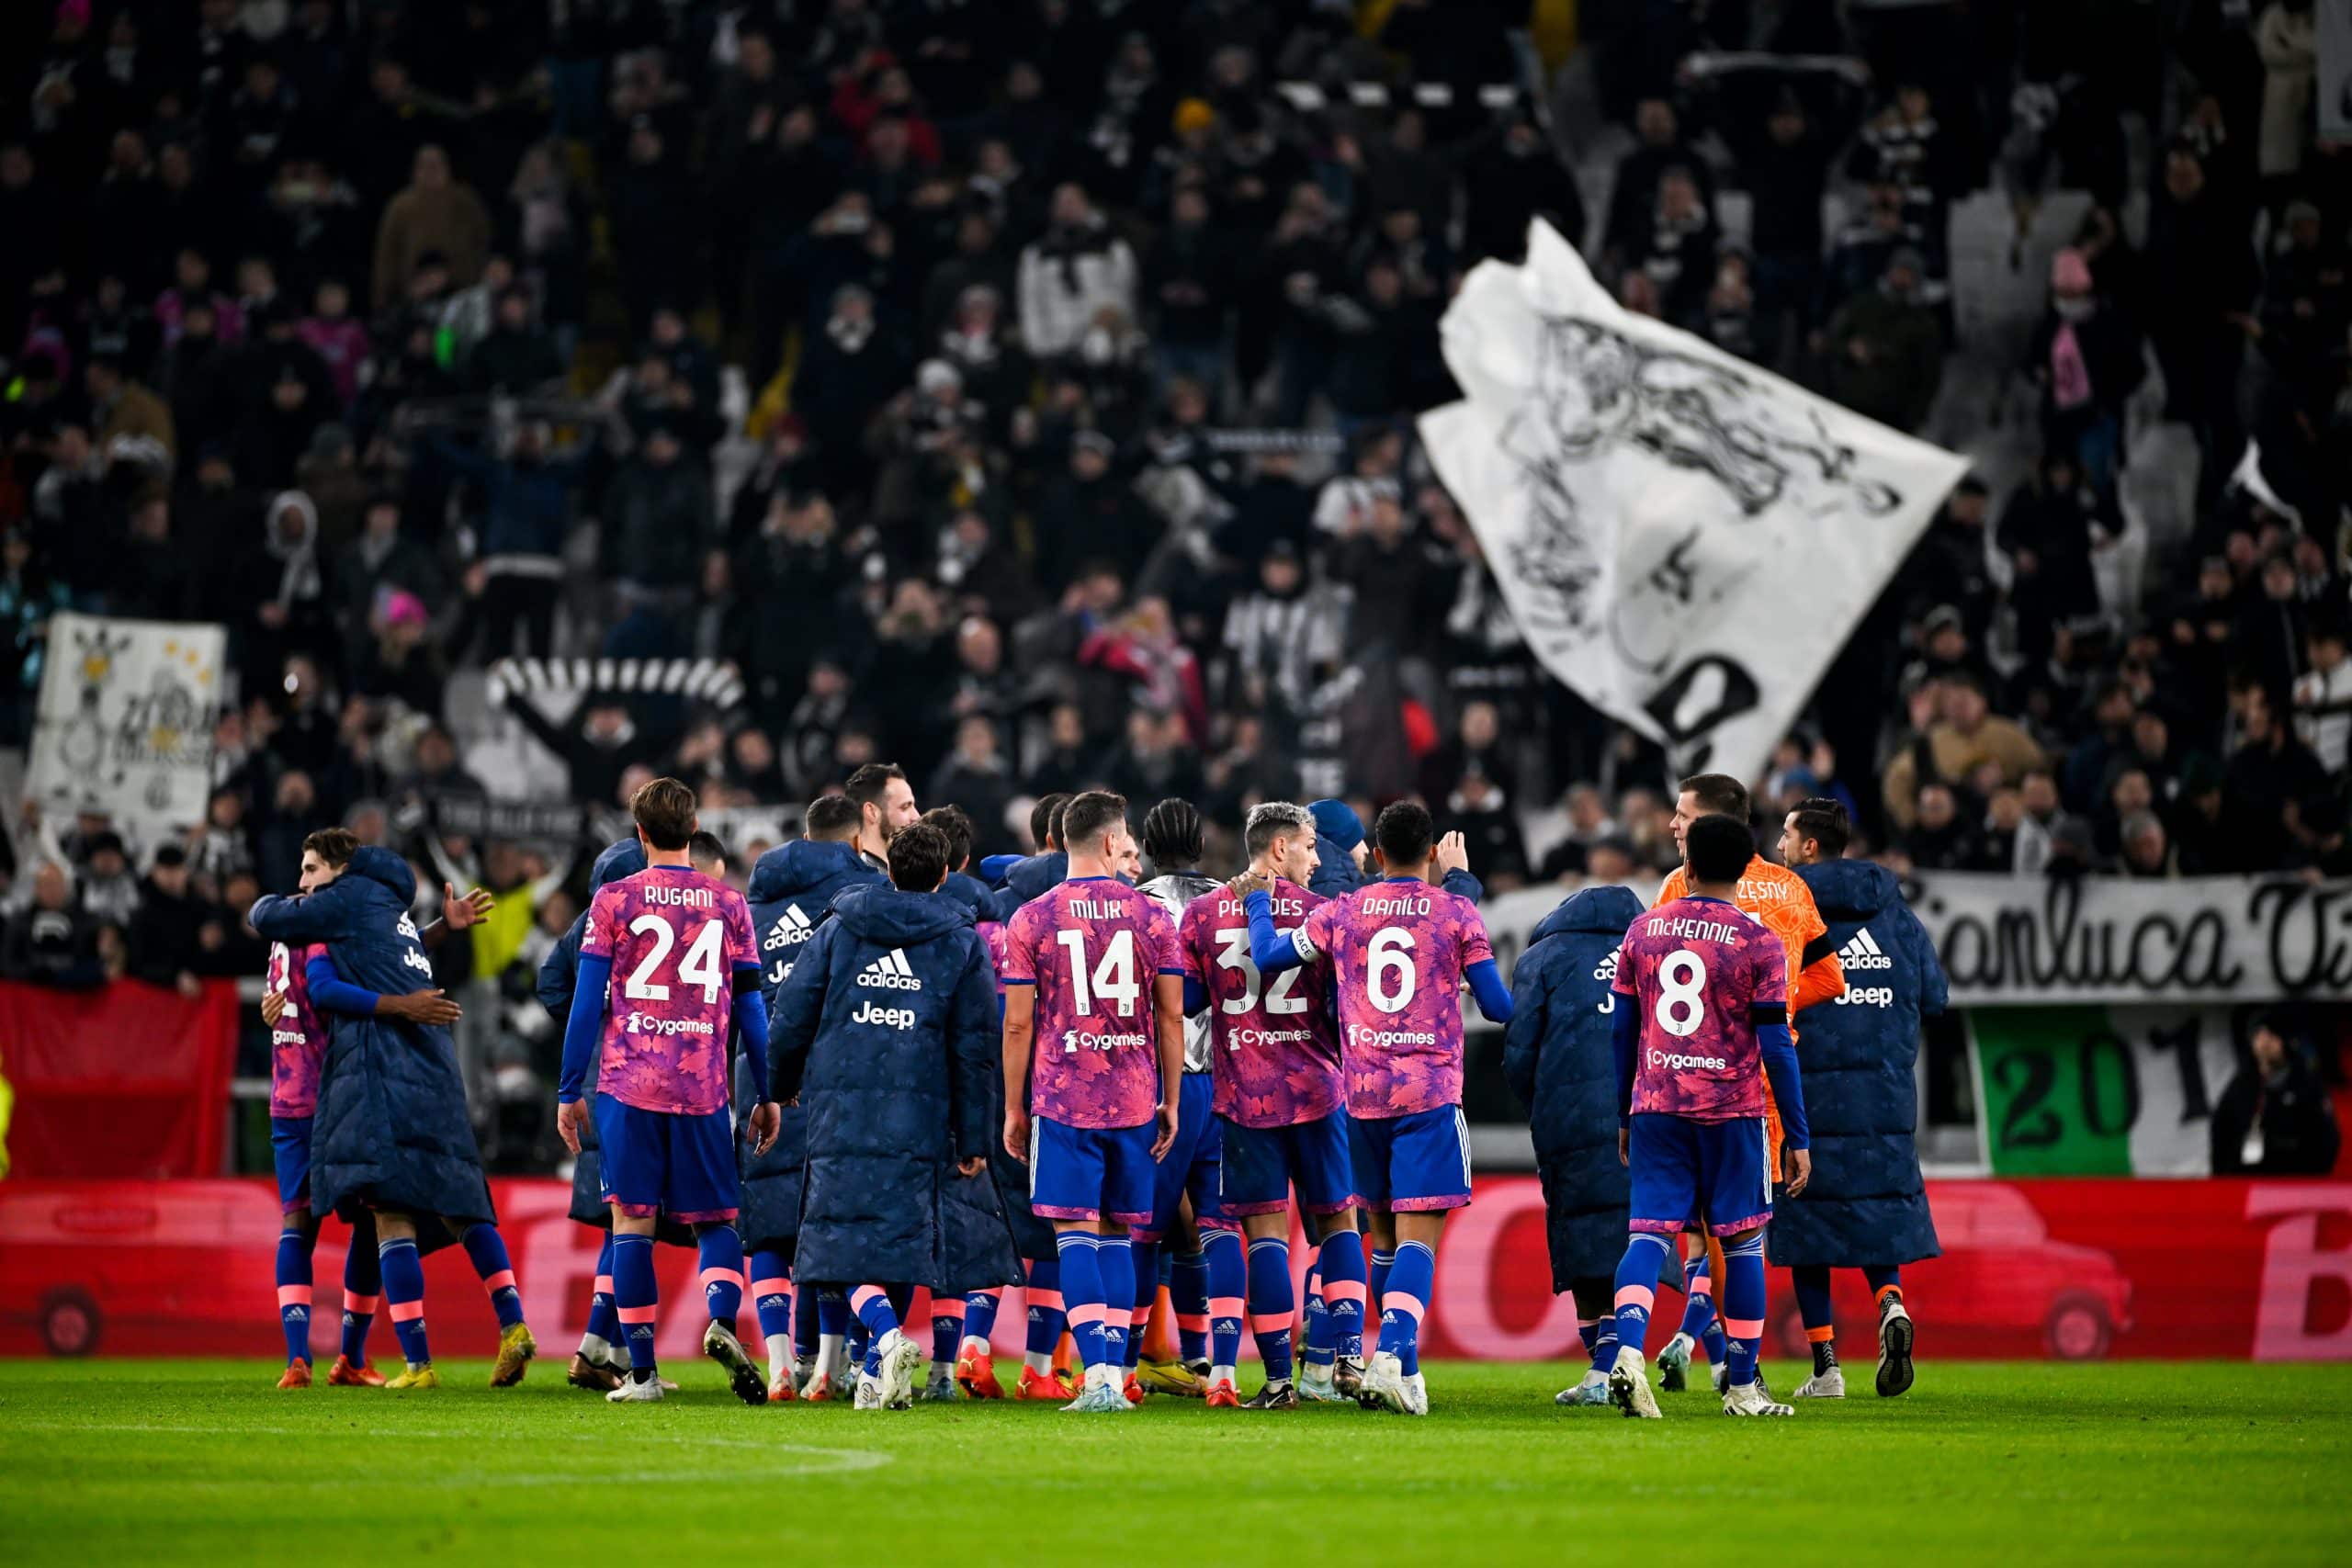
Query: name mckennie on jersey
point(889, 973)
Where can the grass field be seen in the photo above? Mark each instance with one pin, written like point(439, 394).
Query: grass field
point(127, 1461)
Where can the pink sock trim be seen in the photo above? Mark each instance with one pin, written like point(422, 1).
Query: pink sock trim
point(1744, 1327)
point(1140, 1319)
point(994, 1292)
point(1344, 1290)
point(500, 1281)
point(771, 1287)
point(721, 1277)
point(1411, 1306)
point(634, 1314)
point(1192, 1323)
point(1049, 1298)
point(1269, 1322)
point(1224, 1306)
point(407, 1312)
point(293, 1295)
point(603, 1284)
point(1702, 1286)
point(1086, 1313)
point(863, 1294)
point(1641, 1296)
point(361, 1304)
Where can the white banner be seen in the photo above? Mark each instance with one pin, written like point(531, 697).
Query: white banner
point(125, 723)
point(1684, 539)
point(2012, 941)
point(2334, 86)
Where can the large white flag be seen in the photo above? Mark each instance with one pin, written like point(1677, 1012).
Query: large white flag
point(126, 718)
point(1685, 540)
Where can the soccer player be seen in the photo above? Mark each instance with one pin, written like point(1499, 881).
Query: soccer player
point(887, 1030)
point(393, 1138)
point(1400, 951)
point(1557, 1058)
point(662, 958)
point(1866, 1207)
point(1029, 876)
point(1094, 1045)
point(886, 803)
point(792, 890)
point(1279, 1095)
point(1701, 1020)
point(1186, 1197)
point(1778, 898)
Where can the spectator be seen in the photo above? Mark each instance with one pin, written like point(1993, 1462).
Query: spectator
point(2087, 358)
point(1885, 355)
point(438, 218)
point(1077, 269)
point(1965, 735)
point(2272, 778)
point(52, 941)
point(2322, 697)
point(174, 935)
point(2274, 1118)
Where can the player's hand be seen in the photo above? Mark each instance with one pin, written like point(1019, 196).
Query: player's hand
point(1799, 1165)
point(570, 1121)
point(1167, 1139)
point(973, 1167)
point(1453, 853)
point(1016, 1132)
point(429, 1007)
point(1624, 1139)
point(767, 1120)
point(472, 909)
point(273, 1007)
point(1250, 882)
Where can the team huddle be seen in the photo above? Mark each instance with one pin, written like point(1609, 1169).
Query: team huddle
point(879, 1075)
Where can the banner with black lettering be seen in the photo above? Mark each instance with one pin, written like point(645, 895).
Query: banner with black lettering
point(1684, 539)
point(125, 723)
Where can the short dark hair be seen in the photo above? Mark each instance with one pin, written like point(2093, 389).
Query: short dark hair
point(918, 858)
point(831, 816)
point(704, 849)
point(1403, 833)
point(1045, 817)
point(1720, 793)
point(1719, 847)
point(955, 824)
point(1171, 835)
point(871, 783)
point(1824, 820)
point(1089, 815)
point(1275, 819)
point(333, 845)
point(664, 810)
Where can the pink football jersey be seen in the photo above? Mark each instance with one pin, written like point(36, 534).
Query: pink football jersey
point(297, 1043)
point(674, 937)
point(1275, 1050)
point(1398, 950)
point(1093, 947)
point(1693, 968)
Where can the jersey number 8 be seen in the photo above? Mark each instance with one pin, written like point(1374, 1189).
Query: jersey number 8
point(698, 967)
point(1682, 993)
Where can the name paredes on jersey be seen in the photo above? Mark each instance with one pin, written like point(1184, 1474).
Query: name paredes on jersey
point(669, 893)
point(1689, 930)
point(1073, 1041)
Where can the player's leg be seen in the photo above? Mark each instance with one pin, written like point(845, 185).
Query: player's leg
point(1272, 1307)
point(1744, 1325)
point(1597, 1326)
point(297, 1234)
point(885, 1380)
point(1324, 1177)
point(1225, 1262)
point(600, 1363)
point(826, 1331)
point(1201, 1201)
point(1048, 1317)
point(719, 1258)
point(1662, 1179)
point(486, 1250)
point(1130, 1183)
point(975, 1363)
point(1735, 1172)
point(705, 1188)
point(1071, 1178)
point(1114, 1263)
point(1698, 1325)
point(1828, 1380)
point(636, 1166)
point(1077, 1247)
point(771, 1277)
point(403, 1277)
point(947, 1333)
point(1896, 1336)
point(363, 1293)
point(1428, 1177)
point(1187, 1277)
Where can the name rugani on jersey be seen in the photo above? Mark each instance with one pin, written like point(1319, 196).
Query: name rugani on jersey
point(889, 973)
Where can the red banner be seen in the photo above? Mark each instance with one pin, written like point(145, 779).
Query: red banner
point(2072, 1269)
point(127, 1081)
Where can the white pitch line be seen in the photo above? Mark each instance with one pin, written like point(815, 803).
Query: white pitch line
point(836, 1461)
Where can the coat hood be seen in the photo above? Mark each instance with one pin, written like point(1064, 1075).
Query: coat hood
point(1850, 889)
point(625, 858)
point(377, 863)
point(1600, 909)
point(1038, 873)
point(789, 870)
point(968, 891)
point(885, 914)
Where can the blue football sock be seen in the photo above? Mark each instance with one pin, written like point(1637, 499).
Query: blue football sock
point(1227, 1282)
point(1271, 1304)
point(1382, 1262)
point(1049, 1312)
point(363, 1293)
point(1699, 1289)
point(1812, 1285)
point(294, 1290)
point(604, 1320)
point(1637, 1279)
point(487, 1248)
point(1344, 1291)
point(635, 1297)
point(1743, 1306)
point(980, 1308)
point(404, 1296)
point(1114, 1263)
point(947, 1327)
point(1188, 1293)
point(719, 1252)
point(1883, 1277)
point(1411, 1281)
point(772, 1297)
point(1081, 1275)
point(1146, 1293)
point(876, 1314)
point(1319, 1349)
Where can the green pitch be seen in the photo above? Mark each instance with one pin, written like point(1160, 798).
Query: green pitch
point(127, 1461)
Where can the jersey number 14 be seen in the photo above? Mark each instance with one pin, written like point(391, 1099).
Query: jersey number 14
point(1112, 980)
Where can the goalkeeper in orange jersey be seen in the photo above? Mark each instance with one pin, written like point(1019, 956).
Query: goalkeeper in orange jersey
point(1779, 898)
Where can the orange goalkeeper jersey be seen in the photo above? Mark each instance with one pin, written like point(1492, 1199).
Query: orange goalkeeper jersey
point(1778, 898)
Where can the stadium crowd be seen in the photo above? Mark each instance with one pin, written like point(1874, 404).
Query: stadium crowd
point(1074, 444)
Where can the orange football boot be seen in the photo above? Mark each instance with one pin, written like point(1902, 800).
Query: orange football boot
point(343, 1374)
point(1223, 1396)
point(1034, 1386)
point(976, 1375)
point(298, 1375)
point(1133, 1389)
